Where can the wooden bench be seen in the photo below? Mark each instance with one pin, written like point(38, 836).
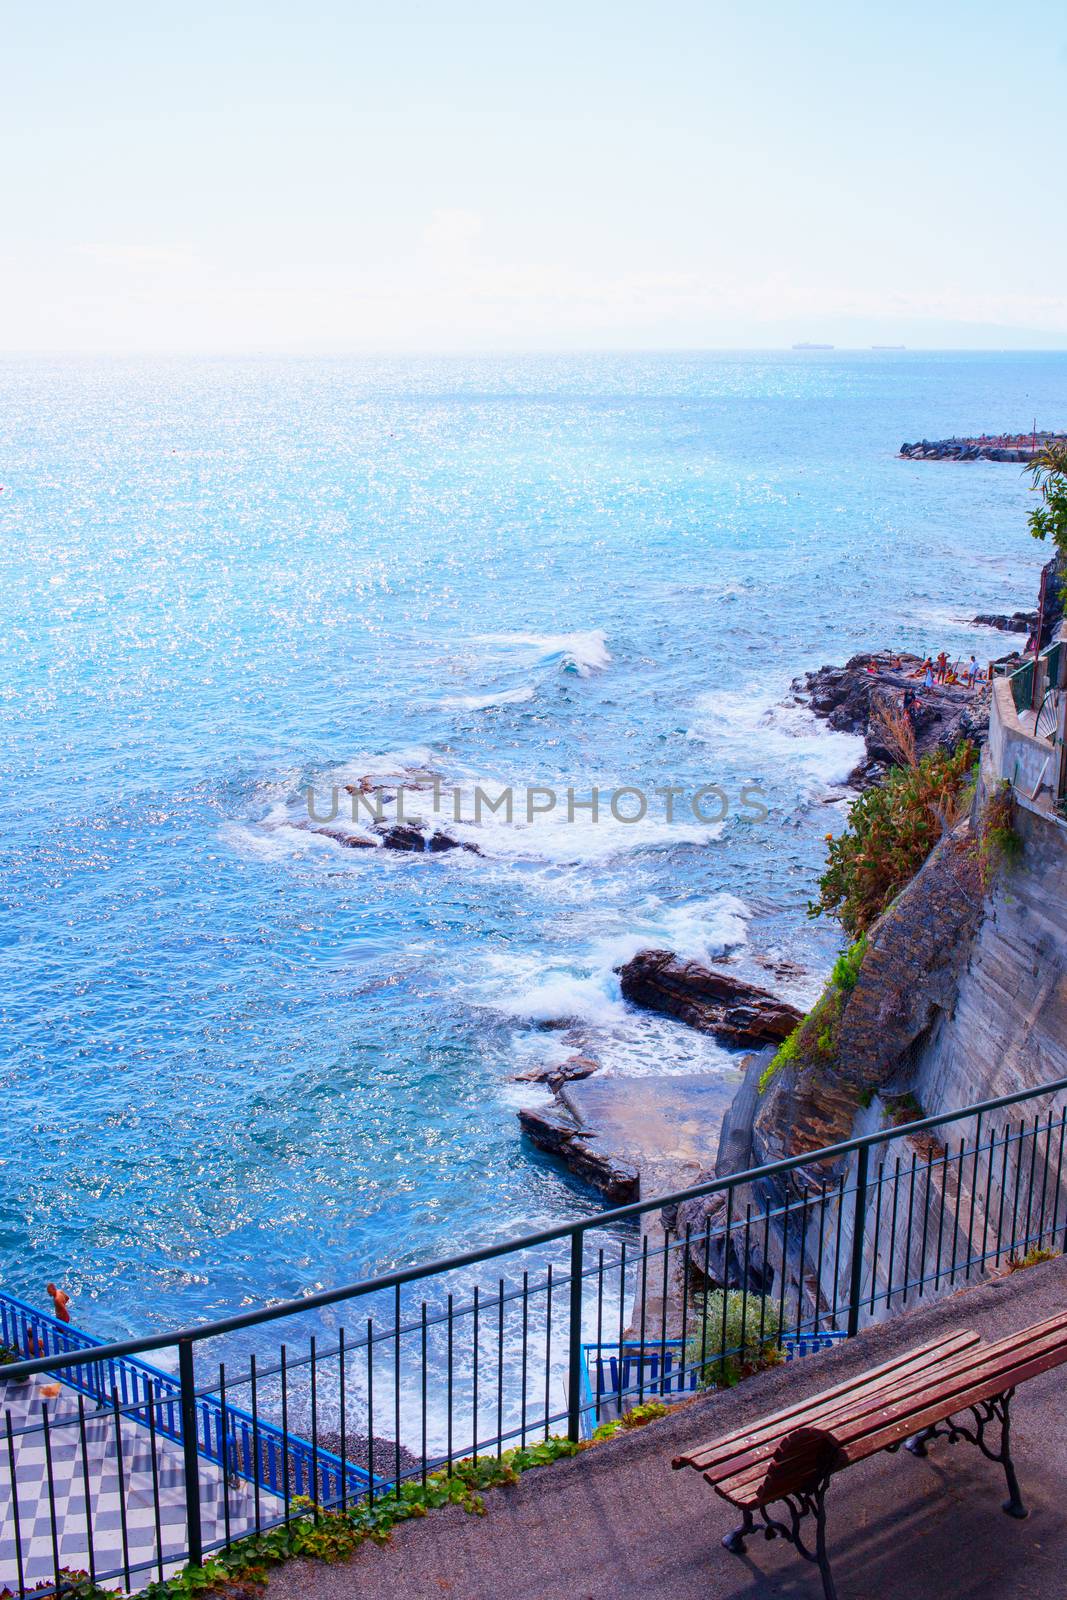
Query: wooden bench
point(787, 1460)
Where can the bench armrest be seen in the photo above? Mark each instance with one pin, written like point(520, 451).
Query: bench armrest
point(801, 1459)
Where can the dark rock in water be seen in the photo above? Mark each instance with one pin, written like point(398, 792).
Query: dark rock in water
point(351, 841)
point(408, 836)
point(403, 836)
point(562, 1072)
point(714, 1002)
point(554, 1130)
point(572, 1069)
point(1018, 622)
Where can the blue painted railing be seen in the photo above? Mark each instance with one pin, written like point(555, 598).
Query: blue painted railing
point(615, 1376)
point(239, 1444)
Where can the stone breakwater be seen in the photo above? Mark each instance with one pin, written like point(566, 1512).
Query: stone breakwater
point(1019, 447)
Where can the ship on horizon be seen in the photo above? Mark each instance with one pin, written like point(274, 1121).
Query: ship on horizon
point(808, 346)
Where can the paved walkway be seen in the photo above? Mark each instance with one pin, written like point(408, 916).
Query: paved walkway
point(617, 1524)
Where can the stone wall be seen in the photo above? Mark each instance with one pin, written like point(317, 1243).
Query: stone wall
point(1008, 1027)
point(1030, 764)
point(956, 1004)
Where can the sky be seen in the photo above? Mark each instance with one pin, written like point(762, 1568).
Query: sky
point(323, 177)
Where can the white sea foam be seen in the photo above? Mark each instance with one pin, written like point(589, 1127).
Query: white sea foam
point(544, 836)
point(564, 996)
point(702, 930)
point(776, 731)
point(584, 990)
point(492, 698)
point(582, 652)
point(277, 841)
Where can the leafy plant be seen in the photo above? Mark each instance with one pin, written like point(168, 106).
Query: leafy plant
point(1033, 1258)
point(846, 968)
point(785, 1053)
point(636, 1417)
point(817, 1034)
point(736, 1335)
point(998, 841)
point(8, 1357)
point(1048, 472)
point(891, 830)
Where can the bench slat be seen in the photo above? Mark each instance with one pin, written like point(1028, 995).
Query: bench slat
point(1011, 1367)
point(910, 1390)
point(912, 1379)
point(769, 1429)
point(998, 1367)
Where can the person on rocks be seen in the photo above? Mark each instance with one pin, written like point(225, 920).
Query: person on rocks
point(972, 671)
point(928, 674)
point(942, 667)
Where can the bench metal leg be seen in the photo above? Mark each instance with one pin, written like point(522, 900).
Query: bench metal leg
point(799, 1508)
point(829, 1592)
point(985, 1413)
point(1014, 1504)
point(735, 1542)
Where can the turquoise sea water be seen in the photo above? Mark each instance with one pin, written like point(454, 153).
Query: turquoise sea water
point(240, 1061)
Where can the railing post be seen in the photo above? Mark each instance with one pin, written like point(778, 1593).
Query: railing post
point(574, 1364)
point(187, 1377)
point(859, 1226)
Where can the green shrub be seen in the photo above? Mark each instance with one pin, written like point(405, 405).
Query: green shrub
point(726, 1355)
point(847, 966)
point(998, 841)
point(891, 830)
point(636, 1417)
point(903, 1108)
point(785, 1052)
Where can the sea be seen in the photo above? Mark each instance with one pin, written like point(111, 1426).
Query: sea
point(242, 1060)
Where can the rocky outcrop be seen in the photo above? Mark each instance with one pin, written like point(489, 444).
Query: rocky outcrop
point(407, 836)
point(863, 1040)
point(717, 1251)
point(1019, 447)
point(350, 841)
point(849, 697)
point(561, 1072)
point(712, 1001)
point(554, 1130)
point(1054, 582)
point(404, 836)
point(1018, 622)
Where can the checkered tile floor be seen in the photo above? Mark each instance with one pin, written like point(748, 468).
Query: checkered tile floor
point(114, 1494)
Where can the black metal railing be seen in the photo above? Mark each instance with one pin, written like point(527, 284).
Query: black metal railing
point(395, 1377)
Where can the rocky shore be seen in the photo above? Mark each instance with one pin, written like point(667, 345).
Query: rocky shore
point(1017, 622)
point(856, 699)
point(706, 998)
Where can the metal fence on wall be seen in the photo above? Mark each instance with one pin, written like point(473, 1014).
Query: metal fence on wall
point(126, 1470)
